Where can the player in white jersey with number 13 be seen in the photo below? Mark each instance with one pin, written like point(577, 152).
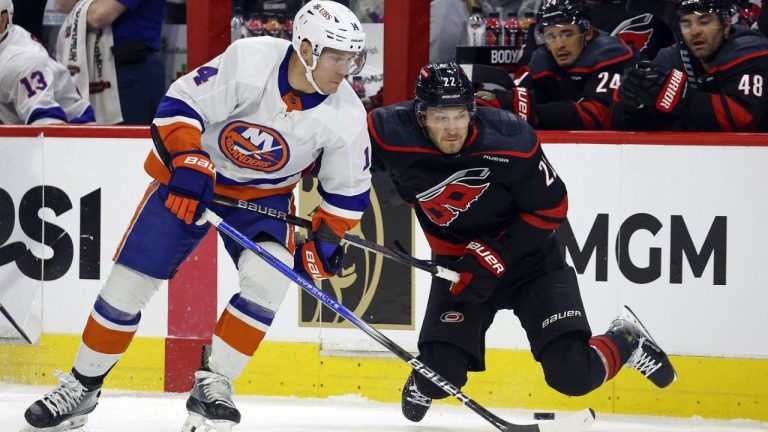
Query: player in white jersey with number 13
point(246, 125)
point(34, 88)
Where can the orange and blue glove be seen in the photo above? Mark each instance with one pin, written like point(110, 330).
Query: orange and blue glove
point(190, 189)
point(318, 258)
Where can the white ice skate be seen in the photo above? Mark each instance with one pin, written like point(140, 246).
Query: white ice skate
point(65, 408)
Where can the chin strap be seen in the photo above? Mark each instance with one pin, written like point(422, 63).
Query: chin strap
point(308, 73)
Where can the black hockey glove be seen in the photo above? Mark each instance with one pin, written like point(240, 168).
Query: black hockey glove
point(480, 270)
point(649, 85)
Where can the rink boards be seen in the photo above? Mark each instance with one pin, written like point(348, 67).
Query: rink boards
point(670, 224)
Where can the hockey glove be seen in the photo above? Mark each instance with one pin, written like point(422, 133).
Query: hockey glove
point(480, 270)
point(318, 258)
point(519, 100)
point(190, 189)
point(648, 85)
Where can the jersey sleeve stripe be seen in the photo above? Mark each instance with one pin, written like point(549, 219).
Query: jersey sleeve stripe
point(40, 114)
point(353, 203)
point(88, 116)
point(339, 225)
point(171, 107)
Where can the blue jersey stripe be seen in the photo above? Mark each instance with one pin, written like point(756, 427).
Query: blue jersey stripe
point(88, 116)
point(172, 107)
point(43, 113)
point(253, 310)
point(114, 314)
point(358, 203)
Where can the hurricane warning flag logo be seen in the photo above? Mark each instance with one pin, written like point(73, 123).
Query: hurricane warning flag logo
point(254, 146)
point(444, 202)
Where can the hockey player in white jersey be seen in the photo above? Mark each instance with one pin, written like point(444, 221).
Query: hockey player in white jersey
point(34, 88)
point(247, 125)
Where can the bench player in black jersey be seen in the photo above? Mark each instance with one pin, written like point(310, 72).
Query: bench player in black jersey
point(713, 79)
point(572, 78)
point(489, 202)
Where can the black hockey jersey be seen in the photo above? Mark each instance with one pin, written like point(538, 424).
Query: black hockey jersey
point(731, 95)
point(500, 184)
point(578, 97)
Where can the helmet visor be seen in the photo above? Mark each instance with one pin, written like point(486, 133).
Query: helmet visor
point(351, 62)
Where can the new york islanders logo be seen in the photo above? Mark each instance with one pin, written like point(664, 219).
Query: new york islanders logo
point(254, 146)
point(444, 202)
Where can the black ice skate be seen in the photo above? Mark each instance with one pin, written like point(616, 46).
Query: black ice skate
point(414, 404)
point(646, 356)
point(210, 404)
point(64, 408)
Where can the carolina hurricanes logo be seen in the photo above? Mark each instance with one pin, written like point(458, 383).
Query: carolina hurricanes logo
point(444, 202)
point(636, 31)
point(452, 317)
point(254, 146)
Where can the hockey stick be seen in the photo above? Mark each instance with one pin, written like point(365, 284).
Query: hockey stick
point(13, 323)
point(370, 246)
point(573, 423)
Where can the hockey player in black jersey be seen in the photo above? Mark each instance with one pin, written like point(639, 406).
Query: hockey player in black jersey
point(572, 77)
point(712, 80)
point(489, 202)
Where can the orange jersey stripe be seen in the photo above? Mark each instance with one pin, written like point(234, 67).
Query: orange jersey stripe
point(239, 335)
point(158, 171)
point(180, 136)
point(338, 224)
point(104, 340)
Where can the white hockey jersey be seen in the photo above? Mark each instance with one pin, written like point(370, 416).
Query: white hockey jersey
point(34, 88)
point(263, 138)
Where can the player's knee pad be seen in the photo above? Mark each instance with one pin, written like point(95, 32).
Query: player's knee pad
point(449, 361)
point(260, 282)
point(570, 366)
point(128, 290)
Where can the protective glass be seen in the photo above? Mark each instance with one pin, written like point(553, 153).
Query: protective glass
point(351, 62)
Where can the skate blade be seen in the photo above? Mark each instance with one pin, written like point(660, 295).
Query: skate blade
point(197, 423)
point(72, 424)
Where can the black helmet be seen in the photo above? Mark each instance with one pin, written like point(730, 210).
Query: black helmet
point(559, 12)
point(723, 8)
point(443, 84)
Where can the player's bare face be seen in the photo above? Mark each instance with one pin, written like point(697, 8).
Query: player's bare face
point(332, 68)
point(447, 127)
point(703, 34)
point(565, 43)
point(4, 22)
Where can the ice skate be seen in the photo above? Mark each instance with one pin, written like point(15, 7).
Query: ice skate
point(647, 357)
point(65, 408)
point(414, 404)
point(210, 404)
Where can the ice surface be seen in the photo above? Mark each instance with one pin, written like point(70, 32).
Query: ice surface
point(122, 411)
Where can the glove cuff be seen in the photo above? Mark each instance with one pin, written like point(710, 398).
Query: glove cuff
point(673, 92)
point(489, 258)
point(197, 160)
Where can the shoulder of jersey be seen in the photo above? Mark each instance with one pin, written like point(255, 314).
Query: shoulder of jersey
point(504, 134)
point(395, 128)
point(257, 56)
point(603, 52)
point(743, 45)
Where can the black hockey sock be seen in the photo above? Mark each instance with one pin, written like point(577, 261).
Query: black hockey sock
point(449, 361)
point(90, 383)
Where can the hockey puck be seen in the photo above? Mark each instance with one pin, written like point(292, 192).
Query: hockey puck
point(544, 416)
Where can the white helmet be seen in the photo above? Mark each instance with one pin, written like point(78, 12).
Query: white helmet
point(6, 5)
point(328, 24)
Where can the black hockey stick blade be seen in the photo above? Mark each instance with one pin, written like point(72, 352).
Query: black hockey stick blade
point(370, 246)
point(13, 323)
